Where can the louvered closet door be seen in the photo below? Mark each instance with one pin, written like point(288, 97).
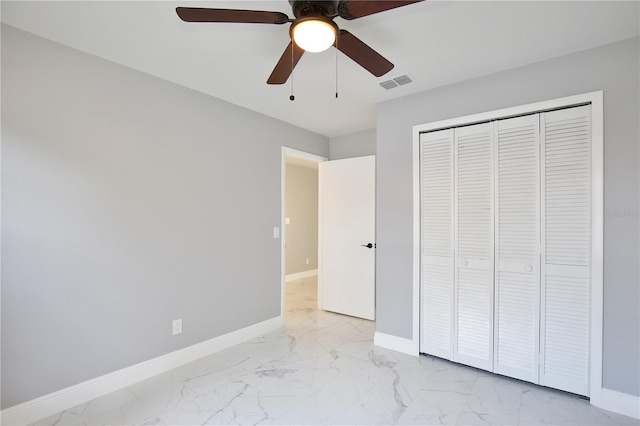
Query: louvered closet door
point(517, 275)
point(566, 243)
point(436, 284)
point(474, 246)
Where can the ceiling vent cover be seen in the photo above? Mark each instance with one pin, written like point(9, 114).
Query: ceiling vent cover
point(398, 81)
point(402, 80)
point(389, 84)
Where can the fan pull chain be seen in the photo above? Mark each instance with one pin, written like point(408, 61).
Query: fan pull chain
point(336, 45)
point(292, 98)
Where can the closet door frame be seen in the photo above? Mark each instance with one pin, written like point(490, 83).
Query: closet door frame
point(595, 99)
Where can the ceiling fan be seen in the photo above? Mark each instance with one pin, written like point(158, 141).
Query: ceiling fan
point(312, 30)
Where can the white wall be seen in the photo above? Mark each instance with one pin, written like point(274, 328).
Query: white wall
point(127, 202)
point(613, 68)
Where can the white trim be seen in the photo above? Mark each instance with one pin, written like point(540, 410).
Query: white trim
point(597, 242)
point(416, 243)
point(299, 275)
point(511, 112)
point(320, 238)
point(47, 405)
point(291, 152)
point(597, 255)
point(395, 343)
point(618, 402)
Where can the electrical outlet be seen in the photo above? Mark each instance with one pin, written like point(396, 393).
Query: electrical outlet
point(287, 221)
point(307, 260)
point(177, 326)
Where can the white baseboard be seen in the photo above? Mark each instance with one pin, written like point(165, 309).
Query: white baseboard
point(618, 402)
point(395, 343)
point(47, 405)
point(299, 275)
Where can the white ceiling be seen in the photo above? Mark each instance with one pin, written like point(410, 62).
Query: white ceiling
point(435, 42)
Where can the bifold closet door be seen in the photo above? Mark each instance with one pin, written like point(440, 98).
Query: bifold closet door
point(436, 223)
point(566, 249)
point(517, 267)
point(506, 220)
point(473, 271)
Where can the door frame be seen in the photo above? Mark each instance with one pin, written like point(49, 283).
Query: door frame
point(595, 99)
point(302, 155)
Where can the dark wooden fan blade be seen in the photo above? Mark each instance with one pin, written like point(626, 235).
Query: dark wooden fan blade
point(200, 14)
point(352, 9)
point(283, 68)
point(368, 58)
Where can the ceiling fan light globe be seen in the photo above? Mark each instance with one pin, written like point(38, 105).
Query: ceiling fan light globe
point(314, 35)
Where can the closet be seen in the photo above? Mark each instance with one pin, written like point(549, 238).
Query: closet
point(505, 244)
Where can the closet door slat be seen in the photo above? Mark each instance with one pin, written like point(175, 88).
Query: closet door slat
point(566, 249)
point(517, 274)
point(474, 245)
point(436, 222)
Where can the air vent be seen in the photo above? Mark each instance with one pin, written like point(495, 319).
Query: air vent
point(402, 80)
point(389, 84)
point(398, 81)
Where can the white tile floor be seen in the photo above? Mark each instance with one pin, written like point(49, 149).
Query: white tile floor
point(322, 368)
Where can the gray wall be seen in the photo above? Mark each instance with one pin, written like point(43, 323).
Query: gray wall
point(357, 144)
point(127, 202)
point(613, 68)
point(302, 209)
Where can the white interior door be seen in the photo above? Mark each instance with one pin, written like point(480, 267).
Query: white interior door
point(436, 227)
point(566, 249)
point(517, 237)
point(347, 226)
point(474, 246)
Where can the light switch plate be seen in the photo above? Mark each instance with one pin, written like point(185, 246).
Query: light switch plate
point(276, 232)
point(177, 326)
point(287, 220)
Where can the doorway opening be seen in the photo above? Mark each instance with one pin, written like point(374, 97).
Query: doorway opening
point(299, 251)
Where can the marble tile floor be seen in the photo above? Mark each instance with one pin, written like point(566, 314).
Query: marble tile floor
point(322, 368)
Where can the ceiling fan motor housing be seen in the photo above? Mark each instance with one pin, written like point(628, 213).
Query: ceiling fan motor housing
point(303, 8)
